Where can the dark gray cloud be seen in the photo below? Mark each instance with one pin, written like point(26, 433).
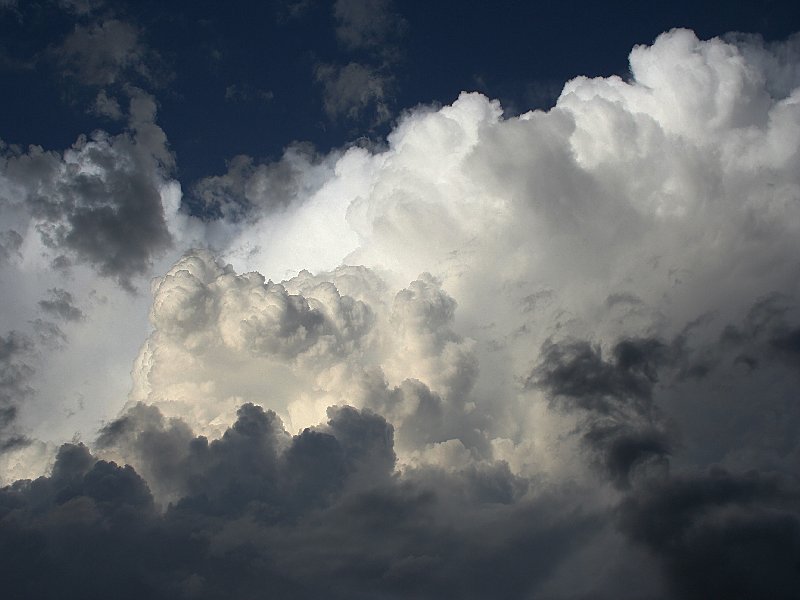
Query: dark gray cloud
point(623, 298)
point(61, 304)
point(769, 330)
point(16, 375)
point(107, 52)
point(250, 190)
point(256, 460)
point(319, 513)
point(106, 106)
point(355, 91)
point(628, 451)
point(614, 399)
point(720, 534)
point(787, 344)
point(716, 534)
point(576, 372)
point(48, 334)
point(100, 202)
point(10, 243)
point(87, 512)
point(299, 515)
point(119, 227)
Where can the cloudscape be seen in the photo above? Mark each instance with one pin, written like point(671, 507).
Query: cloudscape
point(372, 299)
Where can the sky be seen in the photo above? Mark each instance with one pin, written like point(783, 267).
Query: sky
point(381, 299)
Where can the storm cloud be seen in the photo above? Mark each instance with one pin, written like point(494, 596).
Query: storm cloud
point(293, 513)
point(545, 356)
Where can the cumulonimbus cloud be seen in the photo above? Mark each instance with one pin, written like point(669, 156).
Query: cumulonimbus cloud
point(522, 347)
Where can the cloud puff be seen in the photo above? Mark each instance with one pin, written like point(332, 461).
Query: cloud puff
point(361, 91)
point(101, 201)
point(15, 380)
point(615, 397)
point(317, 340)
point(294, 513)
point(211, 322)
point(355, 91)
point(10, 243)
point(252, 191)
point(106, 106)
point(100, 53)
point(61, 305)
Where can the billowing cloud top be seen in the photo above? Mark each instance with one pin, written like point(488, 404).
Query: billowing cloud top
point(553, 356)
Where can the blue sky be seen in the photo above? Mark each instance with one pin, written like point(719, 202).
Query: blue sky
point(242, 79)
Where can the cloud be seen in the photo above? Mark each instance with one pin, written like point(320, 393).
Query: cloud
point(355, 91)
point(367, 24)
point(10, 243)
point(106, 106)
point(615, 398)
point(255, 459)
point(719, 533)
point(294, 513)
point(101, 53)
point(209, 321)
point(362, 90)
point(61, 305)
point(15, 379)
point(519, 348)
point(318, 340)
point(577, 372)
point(250, 191)
point(768, 328)
point(82, 229)
point(81, 495)
point(100, 201)
point(49, 334)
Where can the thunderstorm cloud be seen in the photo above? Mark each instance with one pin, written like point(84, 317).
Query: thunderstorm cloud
point(553, 355)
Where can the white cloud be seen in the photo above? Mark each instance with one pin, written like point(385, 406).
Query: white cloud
point(675, 188)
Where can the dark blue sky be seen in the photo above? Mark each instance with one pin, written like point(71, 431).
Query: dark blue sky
point(244, 77)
